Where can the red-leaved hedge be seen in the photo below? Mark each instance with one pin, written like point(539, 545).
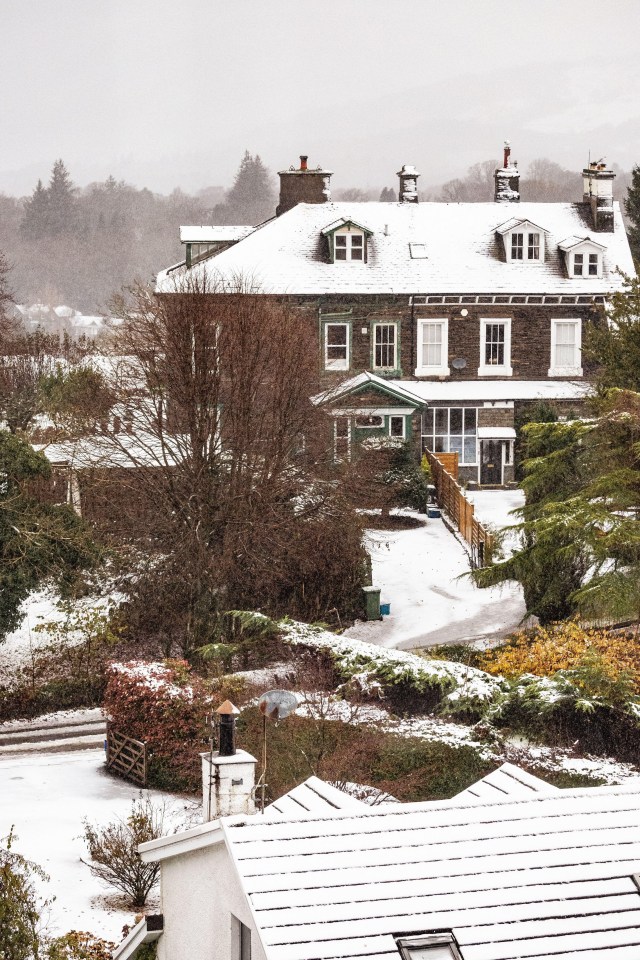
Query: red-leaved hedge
point(166, 706)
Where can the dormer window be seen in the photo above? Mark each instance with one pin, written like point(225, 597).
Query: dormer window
point(582, 269)
point(349, 246)
point(347, 241)
point(583, 257)
point(523, 241)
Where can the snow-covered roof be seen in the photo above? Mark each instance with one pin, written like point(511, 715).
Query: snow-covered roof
point(496, 433)
point(115, 450)
point(508, 782)
point(571, 242)
point(434, 391)
point(396, 388)
point(309, 798)
point(463, 253)
point(543, 876)
point(514, 222)
point(212, 234)
point(344, 222)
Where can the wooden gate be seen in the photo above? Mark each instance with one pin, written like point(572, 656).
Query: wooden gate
point(126, 757)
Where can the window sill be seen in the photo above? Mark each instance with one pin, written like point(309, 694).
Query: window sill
point(432, 372)
point(564, 372)
point(336, 367)
point(495, 371)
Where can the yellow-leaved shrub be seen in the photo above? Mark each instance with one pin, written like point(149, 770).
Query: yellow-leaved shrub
point(563, 646)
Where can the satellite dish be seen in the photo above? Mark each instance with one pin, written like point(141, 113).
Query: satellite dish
point(459, 363)
point(277, 704)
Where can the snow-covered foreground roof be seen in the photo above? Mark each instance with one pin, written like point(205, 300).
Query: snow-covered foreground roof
point(506, 783)
point(463, 253)
point(541, 877)
point(309, 798)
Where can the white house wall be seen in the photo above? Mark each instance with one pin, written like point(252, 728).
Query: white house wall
point(200, 893)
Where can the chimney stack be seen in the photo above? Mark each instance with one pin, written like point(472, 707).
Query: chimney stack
point(408, 187)
point(228, 775)
point(507, 179)
point(303, 185)
point(598, 192)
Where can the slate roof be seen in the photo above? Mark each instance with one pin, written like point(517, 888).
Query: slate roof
point(212, 234)
point(464, 253)
point(311, 797)
point(507, 782)
point(548, 876)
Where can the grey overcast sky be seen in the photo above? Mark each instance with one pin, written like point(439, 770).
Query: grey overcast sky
point(166, 93)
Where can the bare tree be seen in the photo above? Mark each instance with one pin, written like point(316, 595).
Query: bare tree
point(227, 450)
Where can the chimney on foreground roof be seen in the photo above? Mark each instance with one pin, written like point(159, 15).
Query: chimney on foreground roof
point(598, 191)
point(408, 187)
point(228, 775)
point(507, 179)
point(303, 185)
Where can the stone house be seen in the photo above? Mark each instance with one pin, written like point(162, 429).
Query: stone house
point(436, 322)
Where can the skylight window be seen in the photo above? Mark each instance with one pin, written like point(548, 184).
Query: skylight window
point(430, 946)
point(418, 251)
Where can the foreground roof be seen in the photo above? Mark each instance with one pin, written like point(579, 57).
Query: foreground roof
point(546, 876)
point(462, 251)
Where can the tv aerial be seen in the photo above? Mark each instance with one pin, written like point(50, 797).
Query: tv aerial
point(273, 705)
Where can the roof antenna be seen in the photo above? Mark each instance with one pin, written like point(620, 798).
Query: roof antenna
point(276, 705)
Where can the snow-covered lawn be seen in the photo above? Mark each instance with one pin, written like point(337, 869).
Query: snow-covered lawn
point(45, 798)
point(421, 572)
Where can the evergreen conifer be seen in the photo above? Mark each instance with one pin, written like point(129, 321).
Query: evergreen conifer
point(632, 207)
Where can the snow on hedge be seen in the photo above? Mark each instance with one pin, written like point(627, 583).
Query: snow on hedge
point(462, 687)
point(155, 677)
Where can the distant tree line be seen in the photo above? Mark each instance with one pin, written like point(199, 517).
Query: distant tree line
point(79, 247)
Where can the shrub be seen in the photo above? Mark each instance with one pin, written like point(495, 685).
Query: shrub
point(21, 935)
point(80, 945)
point(66, 673)
point(166, 706)
point(564, 646)
point(114, 850)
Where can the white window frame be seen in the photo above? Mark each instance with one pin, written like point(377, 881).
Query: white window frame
point(340, 363)
point(376, 327)
point(430, 437)
point(527, 233)
point(349, 247)
point(585, 250)
point(566, 371)
point(240, 939)
point(442, 369)
point(494, 370)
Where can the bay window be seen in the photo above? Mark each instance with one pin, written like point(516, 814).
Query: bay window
point(451, 430)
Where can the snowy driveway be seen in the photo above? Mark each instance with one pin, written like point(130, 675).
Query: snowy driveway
point(422, 574)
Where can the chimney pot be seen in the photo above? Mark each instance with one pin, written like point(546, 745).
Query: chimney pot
point(303, 161)
point(227, 740)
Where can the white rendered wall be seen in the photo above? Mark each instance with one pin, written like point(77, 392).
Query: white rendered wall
point(200, 893)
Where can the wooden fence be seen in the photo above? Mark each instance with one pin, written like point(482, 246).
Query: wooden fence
point(460, 511)
point(126, 757)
